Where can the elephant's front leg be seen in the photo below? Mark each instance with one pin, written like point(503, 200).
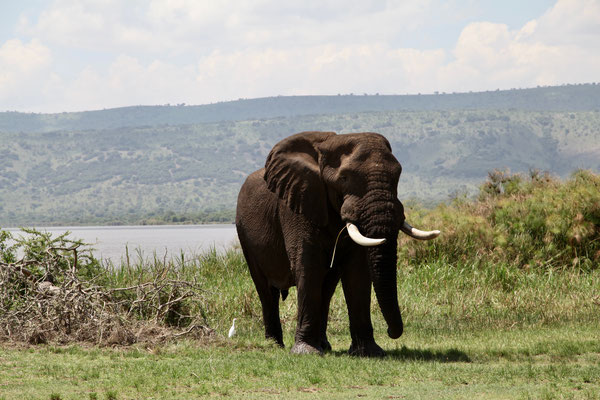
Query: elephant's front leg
point(356, 283)
point(331, 280)
point(308, 330)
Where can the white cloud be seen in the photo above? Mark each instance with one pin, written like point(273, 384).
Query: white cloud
point(70, 23)
point(23, 67)
point(251, 73)
point(573, 23)
point(315, 70)
point(562, 46)
point(25, 57)
point(179, 26)
point(197, 52)
point(128, 82)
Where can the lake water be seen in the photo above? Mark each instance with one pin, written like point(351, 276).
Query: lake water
point(110, 242)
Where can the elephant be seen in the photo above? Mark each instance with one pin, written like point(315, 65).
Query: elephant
point(316, 193)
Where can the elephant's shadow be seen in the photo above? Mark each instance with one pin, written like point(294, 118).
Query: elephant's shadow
point(451, 355)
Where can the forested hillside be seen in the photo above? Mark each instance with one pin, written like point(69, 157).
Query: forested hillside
point(583, 97)
point(191, 172)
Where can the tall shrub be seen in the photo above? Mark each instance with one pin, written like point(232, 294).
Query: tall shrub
point(532, 221)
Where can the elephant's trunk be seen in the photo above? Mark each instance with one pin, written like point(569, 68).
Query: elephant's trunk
point(380, 222)
point(383, 274)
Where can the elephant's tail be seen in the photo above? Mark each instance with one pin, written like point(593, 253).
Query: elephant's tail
point(284, 294)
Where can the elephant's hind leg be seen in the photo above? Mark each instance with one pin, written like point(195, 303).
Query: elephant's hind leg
point(269, 300)
point(270, 309)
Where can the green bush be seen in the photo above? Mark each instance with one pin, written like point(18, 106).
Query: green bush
point(48, 257)
point(532, 221)
point(7, 251)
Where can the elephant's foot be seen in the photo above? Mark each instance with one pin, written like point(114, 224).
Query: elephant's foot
point(277, 340)
point(366, 349)
point(305, 348)
point(325, 345)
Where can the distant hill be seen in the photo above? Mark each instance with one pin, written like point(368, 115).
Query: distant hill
point(583, 97)
point(190, 172)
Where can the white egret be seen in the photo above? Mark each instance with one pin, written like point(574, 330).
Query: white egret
point(232, 329)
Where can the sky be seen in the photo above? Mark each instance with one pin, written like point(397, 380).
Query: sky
point(75, 55)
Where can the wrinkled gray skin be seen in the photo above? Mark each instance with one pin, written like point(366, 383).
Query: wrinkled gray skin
point(288, 217)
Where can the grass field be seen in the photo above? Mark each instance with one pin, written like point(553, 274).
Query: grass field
point(504, 305)
point(551, 362)
point(477, 331)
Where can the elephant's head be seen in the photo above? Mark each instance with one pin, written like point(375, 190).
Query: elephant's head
point(351, 179)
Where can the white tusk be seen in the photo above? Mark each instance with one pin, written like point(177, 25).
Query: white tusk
point(418, 234)
point(360, 239)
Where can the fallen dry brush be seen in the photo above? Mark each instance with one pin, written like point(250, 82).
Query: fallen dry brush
point(52, 295)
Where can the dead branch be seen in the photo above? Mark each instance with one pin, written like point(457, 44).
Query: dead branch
point(54, 304)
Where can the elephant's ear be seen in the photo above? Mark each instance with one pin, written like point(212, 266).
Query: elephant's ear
point(292, 172)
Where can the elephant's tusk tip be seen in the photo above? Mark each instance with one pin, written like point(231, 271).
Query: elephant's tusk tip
point(417, 233)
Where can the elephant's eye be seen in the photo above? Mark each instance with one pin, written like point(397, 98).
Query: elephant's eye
point(344, 176)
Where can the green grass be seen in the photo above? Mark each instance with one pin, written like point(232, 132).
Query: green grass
point(436, 299)
point(550, 362)
point(473, 330)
